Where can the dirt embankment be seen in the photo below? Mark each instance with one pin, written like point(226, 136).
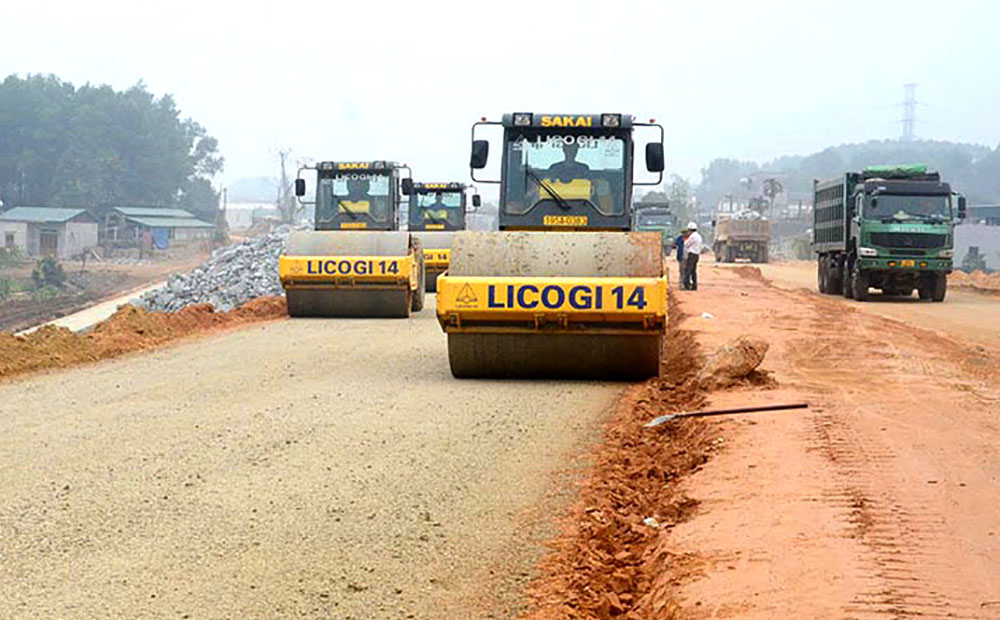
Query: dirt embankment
point(130, 329)
point(608, 560)
point(976, 280)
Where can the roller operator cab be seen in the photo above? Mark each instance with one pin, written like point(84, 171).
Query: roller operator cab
point(436, 211)
point(564, 289)
point(357, 261)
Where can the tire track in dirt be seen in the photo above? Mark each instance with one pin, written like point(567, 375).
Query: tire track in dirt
point(880, 500)
point(905, 541)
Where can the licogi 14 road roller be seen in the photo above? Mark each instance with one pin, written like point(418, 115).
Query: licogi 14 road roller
point(565, 289)
point(436, 211)
point(357, 262)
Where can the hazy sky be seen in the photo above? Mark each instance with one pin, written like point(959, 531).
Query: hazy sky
point(404, 81)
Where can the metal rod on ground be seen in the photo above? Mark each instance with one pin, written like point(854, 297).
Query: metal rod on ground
point(702, 414)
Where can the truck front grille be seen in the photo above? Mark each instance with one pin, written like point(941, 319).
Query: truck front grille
point(908, 240)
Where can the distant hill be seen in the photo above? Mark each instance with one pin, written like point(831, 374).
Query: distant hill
point(253, 189)
point(972, 169)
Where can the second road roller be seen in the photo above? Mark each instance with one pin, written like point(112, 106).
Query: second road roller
point(436, 211)
point(357, 262)
point(565, 289)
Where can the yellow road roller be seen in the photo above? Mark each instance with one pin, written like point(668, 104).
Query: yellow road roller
point(356, 262)
point(565, 289)
point(436, 211)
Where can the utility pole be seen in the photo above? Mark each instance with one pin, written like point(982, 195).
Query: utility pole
point(286, 202)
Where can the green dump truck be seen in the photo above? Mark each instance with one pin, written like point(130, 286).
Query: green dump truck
point(889, 228)
point(656, 217)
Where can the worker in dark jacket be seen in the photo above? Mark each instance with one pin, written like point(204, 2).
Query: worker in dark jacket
point(679, 244)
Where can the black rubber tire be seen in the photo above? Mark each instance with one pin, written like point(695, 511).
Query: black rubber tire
point(717, 252)
point(846, 281)
point(940, 287)
point(821, 277)
point(859, 285)
point(432, 280)
point(835, 280)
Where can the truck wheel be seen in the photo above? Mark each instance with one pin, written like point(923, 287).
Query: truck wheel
point(763, 254)
point(846, 280)
point(717, 252)
point(925, 287)
point(940, 286)
point(859, 284)
point(824, 286)
point(730, 254)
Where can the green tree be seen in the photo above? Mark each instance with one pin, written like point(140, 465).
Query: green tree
point(679, 197)
point(48, 272)
point(93, 146)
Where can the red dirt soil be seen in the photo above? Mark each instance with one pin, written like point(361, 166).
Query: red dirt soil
point(128, 330)
point(880, 500)
point(977, 280)
point(606, 562)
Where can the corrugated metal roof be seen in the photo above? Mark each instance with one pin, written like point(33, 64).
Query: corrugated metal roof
point(170, 222)
point(42, 215)
point(154, 212)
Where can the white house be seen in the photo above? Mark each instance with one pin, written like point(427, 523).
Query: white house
point(48, 231)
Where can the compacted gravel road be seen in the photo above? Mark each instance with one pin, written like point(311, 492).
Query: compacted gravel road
point(299, 467)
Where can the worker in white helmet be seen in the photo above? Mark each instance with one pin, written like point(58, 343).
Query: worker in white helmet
point(693, 246)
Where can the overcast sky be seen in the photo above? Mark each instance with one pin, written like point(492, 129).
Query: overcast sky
point(404, 81)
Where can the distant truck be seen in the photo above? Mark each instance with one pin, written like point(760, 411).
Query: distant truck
point(887, 227)
point(744, 234)
point(657, 217)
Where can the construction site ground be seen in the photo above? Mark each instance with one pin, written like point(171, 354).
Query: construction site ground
point(88, 285)
point(334, 468)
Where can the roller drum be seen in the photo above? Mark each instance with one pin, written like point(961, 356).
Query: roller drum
point(554, 254)
point(610, 357)
point(588, 354)
point(332, 301)
point(340, 302)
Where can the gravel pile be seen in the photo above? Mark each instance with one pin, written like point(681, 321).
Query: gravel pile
point(233, 276)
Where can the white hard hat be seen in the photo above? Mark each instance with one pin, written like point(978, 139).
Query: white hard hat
point(692, 226)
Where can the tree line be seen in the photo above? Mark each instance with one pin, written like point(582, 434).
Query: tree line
point(93, 147)
point(971, 169)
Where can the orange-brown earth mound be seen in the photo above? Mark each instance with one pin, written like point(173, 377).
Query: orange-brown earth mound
point(975, 280)
point(129, 329)
point(602, 563)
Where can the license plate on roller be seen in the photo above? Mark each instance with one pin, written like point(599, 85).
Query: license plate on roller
point(564, 220)
point(906, 263)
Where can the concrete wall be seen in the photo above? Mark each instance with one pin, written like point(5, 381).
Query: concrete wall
point(75, 237)
point(72, 238)
point(239, 215)
point(183, 235)
point(20, 231)
point(986, 237)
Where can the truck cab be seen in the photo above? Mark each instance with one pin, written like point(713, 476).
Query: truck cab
point(655, 217)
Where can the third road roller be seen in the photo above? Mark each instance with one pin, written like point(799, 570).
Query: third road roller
point(357, 262)
point(436, 211)
point(565, 289)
